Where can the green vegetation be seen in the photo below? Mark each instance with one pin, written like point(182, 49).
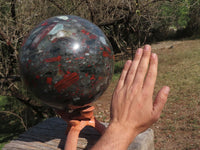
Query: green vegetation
point(118, 66)
point(10, 125)
point(180, 12)
point(3, 101)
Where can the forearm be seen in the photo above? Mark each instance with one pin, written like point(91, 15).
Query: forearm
point(115, 138)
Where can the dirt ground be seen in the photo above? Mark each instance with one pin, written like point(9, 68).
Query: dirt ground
point(162, 138)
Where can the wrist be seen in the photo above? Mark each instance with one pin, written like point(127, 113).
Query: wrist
point(124, 134)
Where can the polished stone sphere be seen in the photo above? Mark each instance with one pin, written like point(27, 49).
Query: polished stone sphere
point(66, 60)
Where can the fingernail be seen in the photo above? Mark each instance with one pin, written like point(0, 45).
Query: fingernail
point(128, 62)
point(154, 55)
point(147, 47)
point(139, 51)
point(167, 89)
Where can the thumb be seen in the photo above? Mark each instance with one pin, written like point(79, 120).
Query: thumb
point(160, 101)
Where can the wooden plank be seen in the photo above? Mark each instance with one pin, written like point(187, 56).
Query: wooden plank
point(50, 135)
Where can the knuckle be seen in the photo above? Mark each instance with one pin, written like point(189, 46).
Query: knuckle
point(134, 90)
point(124, 72)
point(161, 96)
point(137, 57)
point(117, 92)
point(151, 74)
point(138, 84)
point(125, 69)
point(132, 71)
point(146, 53)
point(156, 117)
point(141, 69)
point(121, 79)
point(146, 94)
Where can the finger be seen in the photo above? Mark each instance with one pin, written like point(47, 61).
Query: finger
point(131, 73)
point(160, 101)
point(123, 74)
point(150, 80)
point(142, 67)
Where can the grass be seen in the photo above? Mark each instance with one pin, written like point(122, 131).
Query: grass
point(179, 68)
point(118, 67)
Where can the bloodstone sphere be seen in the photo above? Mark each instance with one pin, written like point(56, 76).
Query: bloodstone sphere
point(66, 60)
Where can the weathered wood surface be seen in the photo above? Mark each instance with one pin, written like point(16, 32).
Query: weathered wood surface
point(50, 135)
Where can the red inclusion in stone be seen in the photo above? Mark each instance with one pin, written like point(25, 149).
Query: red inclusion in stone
point(45, 23)
point(53, 59)
point(67, 81)
point(92, 77)
point(105, 54)
point(49, 80)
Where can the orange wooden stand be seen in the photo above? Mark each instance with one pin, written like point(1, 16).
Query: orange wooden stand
point(77, 118)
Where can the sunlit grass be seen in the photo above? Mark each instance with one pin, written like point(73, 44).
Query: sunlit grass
point(179, 68)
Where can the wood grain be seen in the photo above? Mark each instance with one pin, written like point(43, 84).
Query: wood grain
point(50, 135)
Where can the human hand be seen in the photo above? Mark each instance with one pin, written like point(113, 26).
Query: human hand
point(133, 109)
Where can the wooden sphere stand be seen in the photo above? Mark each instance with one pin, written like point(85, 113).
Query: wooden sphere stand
point(78, 117)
